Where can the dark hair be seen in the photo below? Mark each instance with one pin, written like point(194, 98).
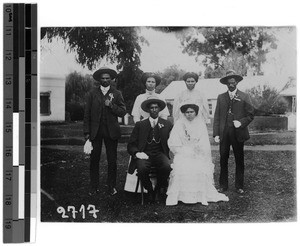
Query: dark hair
point(145, 76)
point(190, 75)
point(185, 107)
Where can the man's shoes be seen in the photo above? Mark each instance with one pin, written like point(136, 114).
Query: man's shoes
point(163, 194)
point(112, 191)
point(221, 190)
point(240, 191)
point(152, 196)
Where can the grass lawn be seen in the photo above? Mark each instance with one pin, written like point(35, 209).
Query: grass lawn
point(72, 133)
point(270, 184)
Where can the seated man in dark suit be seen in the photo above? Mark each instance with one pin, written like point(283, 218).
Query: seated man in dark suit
point(148, 145)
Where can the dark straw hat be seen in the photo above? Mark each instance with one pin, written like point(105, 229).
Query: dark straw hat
point(184, 108)
point(145, 76)
point(229, 75)
point(97, 75)
point(153, 99)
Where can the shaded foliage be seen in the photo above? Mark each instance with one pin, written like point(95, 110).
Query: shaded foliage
point(267, 100)
point(129, 82)
point(77, 87)
point(92, 45)
point(168, 75)
point(237, 48)
point(169, 29)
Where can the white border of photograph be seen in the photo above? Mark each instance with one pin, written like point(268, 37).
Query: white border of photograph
point(168, 13)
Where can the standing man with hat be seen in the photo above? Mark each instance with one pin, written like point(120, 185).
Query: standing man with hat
point(104, 105)
point(148, 145)
point(233, 114)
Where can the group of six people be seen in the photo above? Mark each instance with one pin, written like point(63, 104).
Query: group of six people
point(189, 178)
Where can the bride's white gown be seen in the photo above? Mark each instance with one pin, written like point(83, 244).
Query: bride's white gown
point(191, 179)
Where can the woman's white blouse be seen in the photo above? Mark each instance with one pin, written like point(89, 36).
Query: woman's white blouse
point(139, 114)
point(191, 97)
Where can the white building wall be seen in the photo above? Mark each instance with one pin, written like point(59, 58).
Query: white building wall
point(56, 87)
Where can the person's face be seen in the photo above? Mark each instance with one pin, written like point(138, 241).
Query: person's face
point(150, 84)
point(231, 84)
point(190, 83)
point(154, 110)
point(190, 114)
point(105, 79)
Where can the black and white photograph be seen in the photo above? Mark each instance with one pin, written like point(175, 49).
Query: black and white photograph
point(168, 124)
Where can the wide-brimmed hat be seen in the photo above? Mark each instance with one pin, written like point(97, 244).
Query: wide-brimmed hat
point(145, 76)
point(152, 99)
point(231, 74)
point(97, 75)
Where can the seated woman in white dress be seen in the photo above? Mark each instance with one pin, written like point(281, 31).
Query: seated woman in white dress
point(190, 94)
point(191, 180)
point(151, 81)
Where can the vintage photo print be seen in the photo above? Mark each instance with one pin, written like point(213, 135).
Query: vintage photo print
point(168, 124)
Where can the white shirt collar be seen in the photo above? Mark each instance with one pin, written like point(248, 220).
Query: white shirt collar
point(150, 92)
point(153, 120)
point(232, 92)
point(104, 89)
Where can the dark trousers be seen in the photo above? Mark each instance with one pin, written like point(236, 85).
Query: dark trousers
point(111, 153)
point(228, 139)
point(162, 163)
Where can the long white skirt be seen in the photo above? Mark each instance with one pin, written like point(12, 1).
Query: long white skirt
point(191, 181)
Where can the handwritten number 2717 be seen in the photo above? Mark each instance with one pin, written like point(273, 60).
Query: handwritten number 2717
point(71, 209)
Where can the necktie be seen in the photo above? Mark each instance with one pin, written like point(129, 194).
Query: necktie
point(153, 124)
point(231, 96)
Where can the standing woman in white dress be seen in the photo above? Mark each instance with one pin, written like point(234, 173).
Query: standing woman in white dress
point(191, 94)
point(151, 81)
point(191, 178)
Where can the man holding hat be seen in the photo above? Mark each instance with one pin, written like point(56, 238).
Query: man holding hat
point(104, 105)
point(148, 145)
point(233, 114)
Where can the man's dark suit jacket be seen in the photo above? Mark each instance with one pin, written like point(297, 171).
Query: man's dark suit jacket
point(242, 109)
point(139, 135)
point(93, 111)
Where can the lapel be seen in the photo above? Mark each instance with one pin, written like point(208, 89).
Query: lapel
point(159, 122)
point(227, 98)
point(238, 94)
point(99, 95)
point(162, 132)
point(110, 91)
point(226, 102)
point(145, 127)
